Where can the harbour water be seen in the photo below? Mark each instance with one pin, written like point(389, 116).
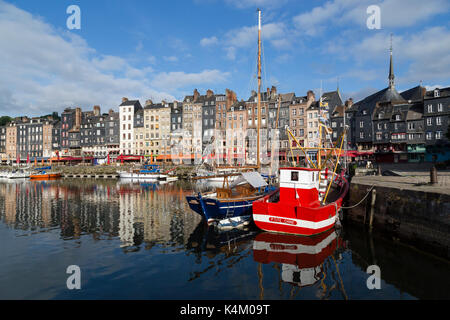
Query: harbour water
point(134, 240)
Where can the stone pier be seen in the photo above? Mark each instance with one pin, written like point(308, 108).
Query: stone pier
point(407, 206)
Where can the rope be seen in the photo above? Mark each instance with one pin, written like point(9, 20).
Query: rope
point(354, 206)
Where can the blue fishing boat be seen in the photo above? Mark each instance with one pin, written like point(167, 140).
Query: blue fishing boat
point(231, 202)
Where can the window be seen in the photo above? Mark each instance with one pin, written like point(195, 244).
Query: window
point(294, 175)
point(438, 121)
point(430, 108)
point(294, 112)
point(361, 124)
point(429, 135)
point(440, 109)
point(429, 121)
point(411, 136)
point(438, 135)
point(361, 135)
point(333, 124)
point(397, 117)
point(411, 125)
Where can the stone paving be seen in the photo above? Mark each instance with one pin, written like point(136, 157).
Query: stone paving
point(418, 181)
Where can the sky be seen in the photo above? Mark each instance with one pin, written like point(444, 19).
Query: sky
point(158, 50)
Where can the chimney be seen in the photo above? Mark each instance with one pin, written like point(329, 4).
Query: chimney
point(310, 95)
point(96, 111)
point(196, 95)
point(124, 99)
point(348, 103)
point(148, 102)
point(77, 118)
point(268, 92)
point(231, 97)
point(273, 92)
point(209, 93)
point(111, 111)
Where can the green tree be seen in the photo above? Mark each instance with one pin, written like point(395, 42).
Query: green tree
point(5, 120)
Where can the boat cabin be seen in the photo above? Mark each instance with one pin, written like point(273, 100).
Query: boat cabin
point(299, 185)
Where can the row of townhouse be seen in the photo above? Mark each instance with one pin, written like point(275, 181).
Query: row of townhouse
point(76, 133)
point(386, 126)
point(389, 126)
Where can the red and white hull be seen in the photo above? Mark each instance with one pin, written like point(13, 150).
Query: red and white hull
point(297, 209)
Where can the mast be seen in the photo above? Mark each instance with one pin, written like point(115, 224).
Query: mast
point(258, 163)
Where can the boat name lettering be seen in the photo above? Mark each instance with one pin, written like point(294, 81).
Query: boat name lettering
point(287, 221)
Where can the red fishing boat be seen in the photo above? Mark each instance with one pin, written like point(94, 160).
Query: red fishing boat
point(299, 206)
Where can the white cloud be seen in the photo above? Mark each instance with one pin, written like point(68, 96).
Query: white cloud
point(231, 53)
point(177, 80)
point(347, 13)
point(170, 59)
point(209, 41)
point(45, 70)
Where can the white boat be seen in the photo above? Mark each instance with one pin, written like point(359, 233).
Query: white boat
point(139, 175)
point(18, 174)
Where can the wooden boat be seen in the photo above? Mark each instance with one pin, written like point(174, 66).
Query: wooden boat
point(45, 176)
point(231, 201)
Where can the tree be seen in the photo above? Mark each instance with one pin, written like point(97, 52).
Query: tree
point(5, 120)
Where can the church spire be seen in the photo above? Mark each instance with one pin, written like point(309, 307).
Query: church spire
point(391, 70)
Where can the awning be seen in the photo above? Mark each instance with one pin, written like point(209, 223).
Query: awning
point(253, 178)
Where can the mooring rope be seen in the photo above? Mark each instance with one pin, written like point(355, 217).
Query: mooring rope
point(354, 206)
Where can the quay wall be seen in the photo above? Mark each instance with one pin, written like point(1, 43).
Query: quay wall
point(416, 217)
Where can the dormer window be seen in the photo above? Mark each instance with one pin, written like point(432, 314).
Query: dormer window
point(436, 93)
point(397, 117)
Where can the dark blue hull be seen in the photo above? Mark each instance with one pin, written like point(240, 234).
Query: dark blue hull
point(214, 209)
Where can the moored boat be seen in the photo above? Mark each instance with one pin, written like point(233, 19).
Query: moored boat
point(17, 174)
point(45, 176)
point(297, 206)
point(231, 201)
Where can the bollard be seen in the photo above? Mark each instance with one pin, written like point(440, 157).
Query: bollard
point(379, 171)
point(433, 175)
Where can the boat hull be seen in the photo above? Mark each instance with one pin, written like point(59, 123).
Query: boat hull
point(214, 209)
point(139, 176)
point(293, 218)
point(45, 176)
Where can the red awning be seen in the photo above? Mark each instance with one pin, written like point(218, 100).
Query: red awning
point(131, 158)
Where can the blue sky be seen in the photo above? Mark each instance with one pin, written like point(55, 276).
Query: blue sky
point(164, 49)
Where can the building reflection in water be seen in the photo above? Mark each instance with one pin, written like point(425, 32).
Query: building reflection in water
point(137, 213)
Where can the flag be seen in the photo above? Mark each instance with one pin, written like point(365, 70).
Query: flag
point(108, 159)
point(28, 158)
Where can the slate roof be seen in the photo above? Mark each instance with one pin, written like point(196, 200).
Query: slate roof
point(414, 94)
point(369, 103)
point(129, 103)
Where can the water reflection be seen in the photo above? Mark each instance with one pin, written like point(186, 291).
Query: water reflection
point(135, 212)
point(142, 237)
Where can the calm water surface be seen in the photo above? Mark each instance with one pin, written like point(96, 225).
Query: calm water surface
point(141, 241)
